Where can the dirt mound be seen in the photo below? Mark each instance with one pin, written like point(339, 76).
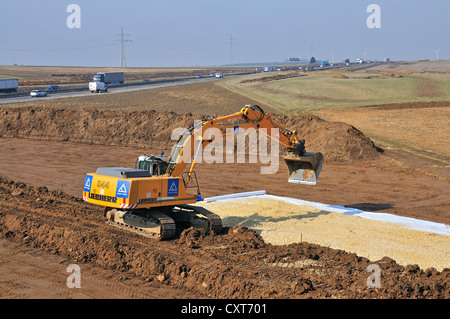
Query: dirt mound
point(337, 141)
point(242, 238)
point(234, 264)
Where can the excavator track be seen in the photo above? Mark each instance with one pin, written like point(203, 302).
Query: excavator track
point(214, 220)
point(163, 224)
point(148, 223)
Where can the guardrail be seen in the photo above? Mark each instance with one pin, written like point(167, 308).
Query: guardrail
point(150, 82)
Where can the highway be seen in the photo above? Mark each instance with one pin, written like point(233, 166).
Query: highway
point(111, 90)
point(25, 97)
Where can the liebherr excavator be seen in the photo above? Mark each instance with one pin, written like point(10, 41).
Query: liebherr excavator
point(155, 196)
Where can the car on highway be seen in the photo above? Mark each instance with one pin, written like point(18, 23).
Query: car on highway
point(38, 93)
point(52, 88)
point(219, 75)
point(198, 76)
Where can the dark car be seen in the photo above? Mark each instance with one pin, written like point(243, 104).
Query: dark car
point(52, 88)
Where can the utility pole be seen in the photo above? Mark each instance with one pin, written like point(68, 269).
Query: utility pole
point(437, 54)
point(231, 50)
point(123, 63)
point(311, 48)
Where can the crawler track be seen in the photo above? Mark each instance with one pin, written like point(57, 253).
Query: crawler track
point(162, 224)
point(165, 230)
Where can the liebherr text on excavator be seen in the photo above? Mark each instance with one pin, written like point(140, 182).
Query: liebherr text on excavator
point(156, 196)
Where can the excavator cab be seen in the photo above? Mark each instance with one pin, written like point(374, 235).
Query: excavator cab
point(156, 165)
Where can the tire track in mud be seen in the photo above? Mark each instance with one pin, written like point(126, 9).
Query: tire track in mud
point(31, 274)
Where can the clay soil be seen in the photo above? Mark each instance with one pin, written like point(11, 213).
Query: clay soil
point(45, 226)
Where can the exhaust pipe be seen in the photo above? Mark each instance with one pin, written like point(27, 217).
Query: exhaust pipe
point(305, 168)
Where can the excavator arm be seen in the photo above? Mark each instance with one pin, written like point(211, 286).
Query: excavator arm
point(303, 167)
point(153, 199)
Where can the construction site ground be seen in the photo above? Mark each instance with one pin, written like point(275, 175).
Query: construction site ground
point(48, 147)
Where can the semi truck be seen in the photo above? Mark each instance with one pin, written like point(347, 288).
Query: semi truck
point(9, 85)
point(102, 79)
point(110, 77)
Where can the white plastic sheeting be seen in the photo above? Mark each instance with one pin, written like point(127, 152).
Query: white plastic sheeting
point(408, 222)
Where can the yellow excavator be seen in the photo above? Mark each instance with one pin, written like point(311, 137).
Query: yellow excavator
point(156, 196)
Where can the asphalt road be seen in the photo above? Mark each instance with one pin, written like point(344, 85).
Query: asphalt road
point(111, 90)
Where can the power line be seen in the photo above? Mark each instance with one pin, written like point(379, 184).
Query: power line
point(123, 63)
point(56, 49)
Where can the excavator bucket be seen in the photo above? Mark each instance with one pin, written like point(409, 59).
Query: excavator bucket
point(305, 168)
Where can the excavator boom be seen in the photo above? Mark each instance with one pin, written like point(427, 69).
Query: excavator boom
point(303, 167)
point(154, 198)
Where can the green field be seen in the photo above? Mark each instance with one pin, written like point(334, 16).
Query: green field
point(321, 90)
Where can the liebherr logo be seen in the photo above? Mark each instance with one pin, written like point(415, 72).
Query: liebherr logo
point(172, 187)
point(122, 189)
point(87, 183)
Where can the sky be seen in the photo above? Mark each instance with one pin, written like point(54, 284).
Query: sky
point(176, 33)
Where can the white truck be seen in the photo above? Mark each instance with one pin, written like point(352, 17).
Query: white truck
point(97, 87)
point(102, 79)
point(9, 85)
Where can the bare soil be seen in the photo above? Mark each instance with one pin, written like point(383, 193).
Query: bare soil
point(420, 129)
point(46, 151)
point(336, 141)
point(234, 264)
